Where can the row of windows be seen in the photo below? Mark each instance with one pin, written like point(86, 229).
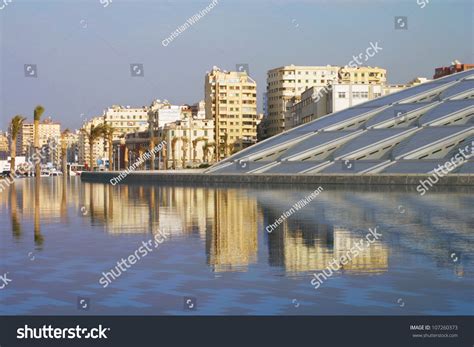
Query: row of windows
point(292, 73)
point(185, 133)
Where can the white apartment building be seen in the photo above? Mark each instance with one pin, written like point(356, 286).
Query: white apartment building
point(287, 82)
point(316, 102)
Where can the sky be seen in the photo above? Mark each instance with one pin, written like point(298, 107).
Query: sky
point(83, 49)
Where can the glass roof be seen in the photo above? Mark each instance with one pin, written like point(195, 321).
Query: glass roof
point(395, 111)
point(370, 137)
point(286, 167)
point(414, 166)
point(315, 141)
point(426, 136)
point(458, 88)
point(445, 109)
point(337, 117)
point(350, 166)
point(241, 167)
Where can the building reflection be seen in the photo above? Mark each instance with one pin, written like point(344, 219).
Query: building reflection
point(230, 222)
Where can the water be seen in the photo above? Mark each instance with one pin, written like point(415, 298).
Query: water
point(57, 240)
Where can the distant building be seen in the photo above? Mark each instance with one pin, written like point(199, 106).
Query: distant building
point(231, 101)
point(285, 86)
point(316, 103)
point(287, 82)
point(49, 133)
point(362, 75)
point(186, 139)
point(455, 66)
point(4, 146)
point(99, 152)
point(72, 142)
point(126, 120)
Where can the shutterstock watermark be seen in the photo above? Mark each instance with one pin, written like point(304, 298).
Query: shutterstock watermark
point(4, 4)
point(442, 170)
point(48, 332)
point(297, 206)
point(4, 280)
point(336, 264)
point(189, 22)
point(138, 163)
point(124, 264)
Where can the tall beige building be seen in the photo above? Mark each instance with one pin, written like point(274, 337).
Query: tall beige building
point(4, 144)
point(99, 151)
point(48, 130)
point(231, 101)
point(285, 84)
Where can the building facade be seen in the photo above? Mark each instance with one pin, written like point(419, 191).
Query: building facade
point(49, 134)
point(288, 82)
point(99, 149)
point(285, 86)
point(231, 101)
point(4, 146)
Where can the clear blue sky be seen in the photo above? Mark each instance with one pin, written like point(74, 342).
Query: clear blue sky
point(83, 50)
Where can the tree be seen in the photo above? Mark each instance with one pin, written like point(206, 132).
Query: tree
point(15, 126)
point(108, 133)
point(92, 135)
point(38, 112)
point(64, 135)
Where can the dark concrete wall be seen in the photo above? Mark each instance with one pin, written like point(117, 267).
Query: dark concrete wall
point(198, 178)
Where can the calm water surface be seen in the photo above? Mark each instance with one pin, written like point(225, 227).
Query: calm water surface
point(56, 239)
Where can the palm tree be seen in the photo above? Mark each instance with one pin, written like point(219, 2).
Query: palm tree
point(108, 133)
point(15, 126)
point(64, 135)
point(38, 112)
point(195, 143)
point(92, 135)
point(184, 146)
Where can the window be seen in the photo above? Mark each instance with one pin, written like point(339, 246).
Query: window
point(341, 95)
point(356, 95)
point(364, 95)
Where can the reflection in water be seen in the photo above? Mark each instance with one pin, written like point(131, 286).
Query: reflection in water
point(37, 223)
point(230, 221)
point(16, 226)
point(218, 248)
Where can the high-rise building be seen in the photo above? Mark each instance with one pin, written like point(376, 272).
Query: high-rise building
point(49, 132)
point(99, 151)
point(231, 101)
point(286, 82)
